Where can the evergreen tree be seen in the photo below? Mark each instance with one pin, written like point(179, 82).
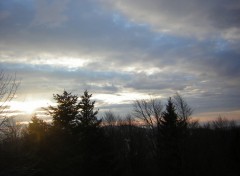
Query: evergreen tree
point(173, 126)
point(36, 130)
point(171, 135)
point(64, 114)
point(93, 149)
point(169, 121)
point(76, 134)
point(87, 116)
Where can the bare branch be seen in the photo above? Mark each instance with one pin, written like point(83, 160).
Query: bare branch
point(184, 111)
point(8, 88)
point(148, 111)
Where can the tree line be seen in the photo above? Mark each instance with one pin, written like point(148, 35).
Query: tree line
point(155, 139)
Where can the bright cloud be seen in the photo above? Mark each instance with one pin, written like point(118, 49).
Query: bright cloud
point(28, 107)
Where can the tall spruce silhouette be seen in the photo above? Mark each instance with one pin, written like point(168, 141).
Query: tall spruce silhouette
point(171, 130)
point(64, 114)
point(77, 132)
point(87, 116)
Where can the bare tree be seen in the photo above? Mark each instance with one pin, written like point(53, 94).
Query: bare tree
point(110, 119)
point(184, 111)
point(8, 88)
point(223, 123)
point(11, 130)
point(193, 124)
point(150, 112)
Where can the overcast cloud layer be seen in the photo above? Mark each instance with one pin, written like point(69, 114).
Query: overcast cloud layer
point(124, 50)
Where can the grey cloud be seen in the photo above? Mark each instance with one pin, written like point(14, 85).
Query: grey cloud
point(159, 82)
point(88, 30)
point(42, 79)
point(185, 17)
point(119, 109)
point(4, 15)
point(123, 49)
point(50, 13)
point(214, 103)
point(226, 15)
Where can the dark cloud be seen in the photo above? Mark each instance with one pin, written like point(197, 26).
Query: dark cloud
point(158, 81)
point(185, 17)
point(226, 15)
point(50, 13)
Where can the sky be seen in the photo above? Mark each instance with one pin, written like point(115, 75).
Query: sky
point(124, 50)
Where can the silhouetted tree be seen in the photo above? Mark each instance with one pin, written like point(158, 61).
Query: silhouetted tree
point(77, 134)
point(65, 113)
point(167, 130)
point(77, 143)
point(87, 116)
point(36, 130)
point(110, 119)
point(93, 146)
point(173, 132)
point(169, 121)
point(11, 130)
point(222, 123)
point(150, 113)
point(8, 88)
point(183, 110)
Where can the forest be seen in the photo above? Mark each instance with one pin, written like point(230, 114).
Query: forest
point(154, 139)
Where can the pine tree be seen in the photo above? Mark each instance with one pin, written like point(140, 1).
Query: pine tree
point(92, 147)
point(64, 114)
point(87, 117)
point(169, 121)
point(37, 129)
point(171, 136)
point(73, 116)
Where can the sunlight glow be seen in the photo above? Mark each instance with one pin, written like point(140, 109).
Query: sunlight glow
point(28, 107)
point(120, 98)
point(141, 69)
point(53, 60)
point(62, 61)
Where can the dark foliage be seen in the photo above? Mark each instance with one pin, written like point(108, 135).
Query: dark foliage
point(79, 143)
point(64, 115)
point(171, 136)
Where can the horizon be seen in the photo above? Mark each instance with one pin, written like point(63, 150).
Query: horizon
point(22, 112)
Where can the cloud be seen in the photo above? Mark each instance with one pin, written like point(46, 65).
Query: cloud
point(185, 17)
point(4, 15)
point(50, 13)
point(146, 48)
